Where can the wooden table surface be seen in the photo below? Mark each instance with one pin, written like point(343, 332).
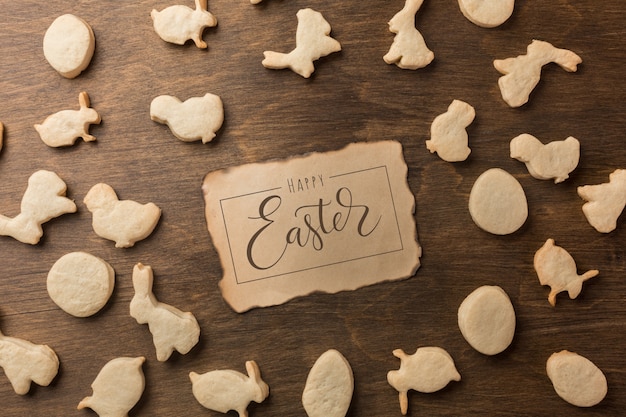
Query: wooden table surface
point(352, 96)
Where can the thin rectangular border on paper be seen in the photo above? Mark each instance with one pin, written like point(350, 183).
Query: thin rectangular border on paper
point(318, 266)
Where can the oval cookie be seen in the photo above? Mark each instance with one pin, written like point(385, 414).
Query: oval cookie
point(80, 283)
point(497, 202)
point(68, 45)
point(329, 386)
point(486, 319)
point(487, 13)
point(576, 379)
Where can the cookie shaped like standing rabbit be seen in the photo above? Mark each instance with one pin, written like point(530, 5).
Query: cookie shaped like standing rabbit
point(178, 24)
point(171, 328)
point(225, 390)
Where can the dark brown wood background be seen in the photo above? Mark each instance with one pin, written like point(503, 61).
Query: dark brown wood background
point(352, 96)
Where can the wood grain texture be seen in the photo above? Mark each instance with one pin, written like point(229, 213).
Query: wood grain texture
point(352, 96)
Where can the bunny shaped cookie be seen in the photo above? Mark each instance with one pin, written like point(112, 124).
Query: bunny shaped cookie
point(177, 24)
point(171, 328)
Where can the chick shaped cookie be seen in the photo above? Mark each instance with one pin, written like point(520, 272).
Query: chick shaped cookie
point(123, 221)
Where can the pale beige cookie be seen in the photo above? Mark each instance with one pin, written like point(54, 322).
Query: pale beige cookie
point(576, 379)
point(408, 50)
point(255, 1)
point(80, 283)
point(197, 118)
point(171, 328)
point(522, 73)
point(497, 202)
point(556, 268)
point(448, 136)
point(554, 160)
point(68, 45)
point(64, 127)
point(312, 43)
point(43, 200)
point(122, 221)
point(1, 135)
point(117, 388)
point(487, 13)
point(486, 319)
point(225, 390)
point(429, 369)
point(329, 386)
point(178, 24)
point(25, 362)
point(605, 202)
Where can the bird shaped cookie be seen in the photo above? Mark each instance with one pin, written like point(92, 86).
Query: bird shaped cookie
point(122, 221)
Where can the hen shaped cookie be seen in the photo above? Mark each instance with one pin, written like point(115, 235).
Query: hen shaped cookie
point(122, 221)
point(554, 160)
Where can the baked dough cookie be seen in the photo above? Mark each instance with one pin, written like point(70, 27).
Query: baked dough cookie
point(429, 369)
point(64, 127)
point(178, 24)
point(312, 43)
point(408, 50)
point(486, 319)
point(122, 221)
point(497, 202)
point(68, 45)
point(556, 268)
point(576, 379)
point(197, 118)
point(117, 388)
point(171, 328)
point(329, 386)
point(80, 283)
point(25, 362)
point(554, 160)
point(522, 73)
point(487, 13)
point(605, 202)
point(448, 136)
point(225, 390)
point(43, 200)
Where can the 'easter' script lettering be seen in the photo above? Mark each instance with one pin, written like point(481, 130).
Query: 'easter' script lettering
point(317, 223)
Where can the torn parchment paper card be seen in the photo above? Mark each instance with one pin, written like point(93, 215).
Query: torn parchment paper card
point(326, 222)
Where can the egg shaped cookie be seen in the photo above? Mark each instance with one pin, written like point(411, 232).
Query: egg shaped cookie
point(576, 379)
point(497, 202)
point(68, 45)
point(487, 13)
point(486, 319)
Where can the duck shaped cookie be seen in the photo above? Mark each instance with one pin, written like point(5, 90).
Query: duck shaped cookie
point(122, 221)
point(428, 370)
point(117, 388)
point(554, 160)
point(556, 268)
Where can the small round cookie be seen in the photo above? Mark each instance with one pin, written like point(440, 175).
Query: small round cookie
point(68, 45)
point(80, 283)
point(486, 319)
point(487, 13)
point(497, 202)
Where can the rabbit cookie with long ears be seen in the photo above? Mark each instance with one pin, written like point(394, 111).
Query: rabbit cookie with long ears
point(43, 200)
point(171, 328)
point(178, 24)
point(225, 390)
point(64, 127)
point(312, 43)
point(25, 362)
point(408, 50)
point(122, 221)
